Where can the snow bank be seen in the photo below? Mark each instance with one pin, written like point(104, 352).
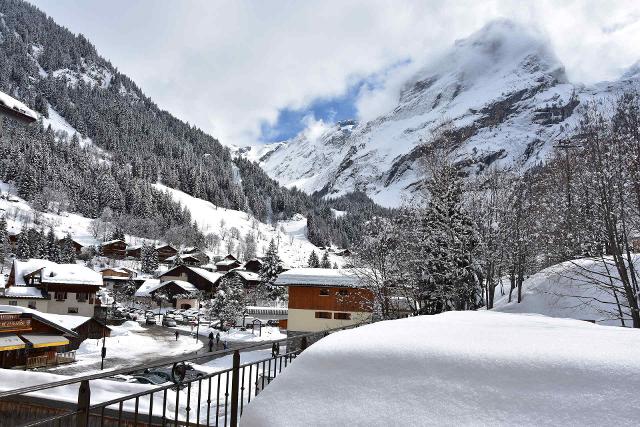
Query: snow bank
point(460, 368)
point(573, 289)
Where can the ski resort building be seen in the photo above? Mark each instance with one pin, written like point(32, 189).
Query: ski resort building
point(324, 298)
point(114, 249)
point(52, 288)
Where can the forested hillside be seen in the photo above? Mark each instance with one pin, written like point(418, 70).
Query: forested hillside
point(133, 143)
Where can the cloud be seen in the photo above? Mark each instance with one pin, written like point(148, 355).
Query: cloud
point(230, 67)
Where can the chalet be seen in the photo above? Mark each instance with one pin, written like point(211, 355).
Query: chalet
point(254, 265)
point(178, 292)
point(133, 252)
point(197, 253)
point(29, 338)
point(324, 298)
point(114, 249)
point(13, 236)
point(52, 288)
point(165, 251)
point(203, 280)
point(77, 246)
point(114, 277)
point(189, 260)
point(343, 252)
point(227, 263)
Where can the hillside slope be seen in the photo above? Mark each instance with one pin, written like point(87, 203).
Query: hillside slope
point(503, 91)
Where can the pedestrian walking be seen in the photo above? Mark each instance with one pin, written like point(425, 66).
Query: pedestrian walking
point(177, 335)
point(225, 345)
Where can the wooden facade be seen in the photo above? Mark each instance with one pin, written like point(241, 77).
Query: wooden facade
point(184, 272)
point(91, 329)
point(330, 298)
point(114, 249)
point(166, 251)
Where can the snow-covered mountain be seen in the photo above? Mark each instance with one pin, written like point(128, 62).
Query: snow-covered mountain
point(502, 89)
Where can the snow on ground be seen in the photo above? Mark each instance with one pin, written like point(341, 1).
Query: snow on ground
point(17, 105)
point(572, 289)
point(460, 368)
point(269, 333)
point(129, 342)
point(294, 247)
point(60, 125)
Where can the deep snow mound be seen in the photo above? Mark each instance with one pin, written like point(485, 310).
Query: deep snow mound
point(583, 289)
point(459, 368)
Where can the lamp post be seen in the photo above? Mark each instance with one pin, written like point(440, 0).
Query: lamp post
point(103, 352)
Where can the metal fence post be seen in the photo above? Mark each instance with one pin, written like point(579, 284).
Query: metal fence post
point(84, 400)
point(235, 388)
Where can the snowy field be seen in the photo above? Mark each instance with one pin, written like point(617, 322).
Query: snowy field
point(578, 289)
point(460, 368)
point(294, 247)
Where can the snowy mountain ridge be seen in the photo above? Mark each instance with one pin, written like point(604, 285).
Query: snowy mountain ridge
point(502, 89)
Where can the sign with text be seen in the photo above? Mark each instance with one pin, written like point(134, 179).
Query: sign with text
point(13, 322)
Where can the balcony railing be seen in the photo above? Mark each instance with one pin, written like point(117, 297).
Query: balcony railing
point(217, 398)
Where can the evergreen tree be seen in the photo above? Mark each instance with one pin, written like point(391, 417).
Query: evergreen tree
point(118, 234)
point(23, 249)
point(148, 259)
point(67, 251)
point(229, 301)
point(335, 265)
point(313, 261)
point(325, 263)
point(178, 260)
point(53, 252)
point(271, 268)
point(250, 246)
point(4, 242)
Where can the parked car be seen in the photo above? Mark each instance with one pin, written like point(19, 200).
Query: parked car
point(150, 378)
point(178, 318)
point(273, 322)
point(167, 321)
point(150, 320)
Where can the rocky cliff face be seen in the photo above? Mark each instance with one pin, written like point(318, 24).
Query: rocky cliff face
point(503, 92)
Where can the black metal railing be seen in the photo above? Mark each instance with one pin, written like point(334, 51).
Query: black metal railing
point(211, 399)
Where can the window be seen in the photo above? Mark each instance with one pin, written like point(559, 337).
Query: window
point(72, 310)
point(32, 305)
point(343, 292)
point(60, 296)
point(13, 302)
point(324, 292)
point(342, 316)
point(323, 315)
point(82, 296)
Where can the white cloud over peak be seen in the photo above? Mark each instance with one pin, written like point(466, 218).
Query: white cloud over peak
point(228, 67)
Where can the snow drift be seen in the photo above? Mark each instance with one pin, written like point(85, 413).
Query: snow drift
point(460, 368)
point(579, 289)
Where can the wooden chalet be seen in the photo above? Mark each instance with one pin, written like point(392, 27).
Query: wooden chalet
point(115, 277)
point(227, 263)
point(179, 292)
point(202, 279)
point(197, 253)
point(77, 246)
point(114, 249)
point(324, 298)
point(254, 265)
point(133, 252)
point(189, 260)
point(28, 338)
point(165, 251)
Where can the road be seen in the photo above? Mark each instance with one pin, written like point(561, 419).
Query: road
point(159, 333)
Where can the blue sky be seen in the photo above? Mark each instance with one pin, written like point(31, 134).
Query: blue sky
point(291, 122)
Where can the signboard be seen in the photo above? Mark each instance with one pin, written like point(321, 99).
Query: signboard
point(13, 322)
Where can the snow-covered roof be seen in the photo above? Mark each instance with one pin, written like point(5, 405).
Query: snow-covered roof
point(109, 242)
point(152, 285)
point(460, 368)
point(63, 322)
point(211, 276)
point(247, 275)
point(227, 262)
point(15, 105)
point(70, 274)
point(318, 277)
point(23, 292)
point(147, 287)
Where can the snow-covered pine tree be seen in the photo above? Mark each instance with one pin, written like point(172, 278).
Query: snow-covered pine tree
point(313, 261)
point(229, 301)
point(23, 249)
point(67, 251)
point(325, 263)
point(450, 246)
point(148, 259)
point(4, 242)
point(53, 252)
point(271, 268)
point(178, 260)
